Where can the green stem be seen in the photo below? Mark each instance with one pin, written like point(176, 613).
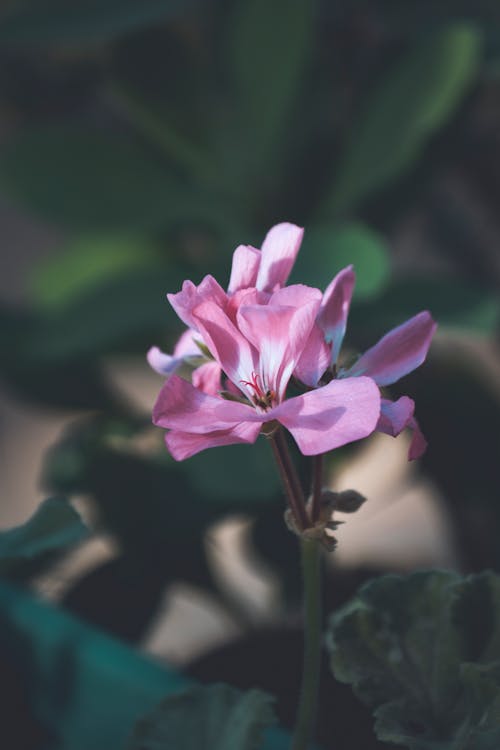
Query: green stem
point(306, 716)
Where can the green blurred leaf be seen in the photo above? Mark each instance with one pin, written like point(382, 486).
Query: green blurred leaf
point(237, 475)
point(270, 47)
point(47, 21)
point(89, 179)
point(453, 303)
point(86, 263)
point(328, 249)
point(88, 689)
point(125, 313)
point(217, 717)
point(53, 528)
point(415, 99)
point(424, 652)
point(75, 384)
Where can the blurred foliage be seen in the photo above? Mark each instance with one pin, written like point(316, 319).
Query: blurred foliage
point(78, 687)
point(53, 528)
point(155, 137)
point(424, 652)
point(203, 718)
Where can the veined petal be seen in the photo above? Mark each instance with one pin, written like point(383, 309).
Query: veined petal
point(395, 416)
point(314, 359)
point(245, 267)
point(331, 416)
point(186, 344)
point(279, 251)
point(181, 406)
point(315, 356)
point(230, 348)
point(279, 334)
point(398, 352)
point(332, 317)
point(207, 378)
point(191, 296)
point(182, 445)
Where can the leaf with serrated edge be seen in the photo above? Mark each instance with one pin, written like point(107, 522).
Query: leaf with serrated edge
point(424, 653)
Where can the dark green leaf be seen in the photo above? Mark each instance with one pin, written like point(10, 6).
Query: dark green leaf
point(270, 48)
point(75, 384)
point(237, 475)
point(218, 717)
point(415, 99)
point(89, 180)
point(129, 311)
point(53, 528)
point(85, 263)
point(453, 303)
point(47, 21)
point(424, 652)
point(327, 249)
point(87, 689)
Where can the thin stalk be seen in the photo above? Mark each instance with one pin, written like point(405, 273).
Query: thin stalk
point(290, 479)
point(306, 715)
point(316, 487)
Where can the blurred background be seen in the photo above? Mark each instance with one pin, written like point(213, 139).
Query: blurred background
point(139, 144)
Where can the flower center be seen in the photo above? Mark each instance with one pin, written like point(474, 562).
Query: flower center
point(261, 397)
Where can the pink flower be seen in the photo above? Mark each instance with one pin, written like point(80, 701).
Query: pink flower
point(264, 270)
point(257, 345)
point(396, 354)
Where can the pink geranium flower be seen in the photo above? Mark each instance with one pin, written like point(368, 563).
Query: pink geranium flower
point(266, 270)
point(396, 354)
point(257, 347)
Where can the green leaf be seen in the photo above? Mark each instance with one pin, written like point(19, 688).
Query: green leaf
point(270, 46)
point(453, 303)
point(415, 99)
point(89, 179)
point(218, 474)
point(48, 21)
point(87, 689)
point(85, 263)
point(218, 717)
point(53, 528)
point(424, 653)
point(327, 249)
point(129, 311)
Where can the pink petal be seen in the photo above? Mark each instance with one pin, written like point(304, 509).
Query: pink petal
point(331, 416)
point(314, 359)
point(315, 356)
point(182, 445)
point(229, 347)
point(334, 310)
point(418, 444)
point(191, 296)
point(207, 378)
point(395, 416)
point(186, 344)
point(166, 364)
point(399, 352)
point(181, 406)
point(245, 267)
point(279, 334)
point(163, 364)
point(279, 251)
